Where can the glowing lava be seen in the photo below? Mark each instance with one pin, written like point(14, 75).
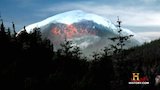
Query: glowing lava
point(55, 31)
point(70, 31)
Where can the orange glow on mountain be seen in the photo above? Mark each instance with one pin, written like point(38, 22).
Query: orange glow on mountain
point(70, 31)
point(55, 31)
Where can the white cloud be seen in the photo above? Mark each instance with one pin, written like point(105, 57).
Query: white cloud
point(151, 35)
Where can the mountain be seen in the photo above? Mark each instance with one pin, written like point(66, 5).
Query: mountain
point(88, 31)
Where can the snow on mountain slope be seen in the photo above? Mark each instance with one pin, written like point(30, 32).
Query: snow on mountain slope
point(73, 17)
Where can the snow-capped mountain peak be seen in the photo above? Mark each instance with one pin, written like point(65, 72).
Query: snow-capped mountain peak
point(89, 31)
point(71, 17)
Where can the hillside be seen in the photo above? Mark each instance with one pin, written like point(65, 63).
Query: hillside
point(28, 62)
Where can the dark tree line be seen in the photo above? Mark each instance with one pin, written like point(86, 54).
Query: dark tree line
point(29, 62)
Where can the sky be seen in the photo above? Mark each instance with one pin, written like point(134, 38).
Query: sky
point(140, 16)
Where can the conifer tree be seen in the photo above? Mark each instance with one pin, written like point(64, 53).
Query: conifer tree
point(118, 53)
point(14, 30)
point(120, 39)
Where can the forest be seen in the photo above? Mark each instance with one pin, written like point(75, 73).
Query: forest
point(29, 62)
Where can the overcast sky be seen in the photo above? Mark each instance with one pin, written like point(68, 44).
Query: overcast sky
point(141, 16)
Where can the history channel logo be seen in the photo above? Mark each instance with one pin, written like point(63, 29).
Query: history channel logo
point(138, 80)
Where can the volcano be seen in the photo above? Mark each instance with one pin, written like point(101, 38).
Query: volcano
point(88, 31)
